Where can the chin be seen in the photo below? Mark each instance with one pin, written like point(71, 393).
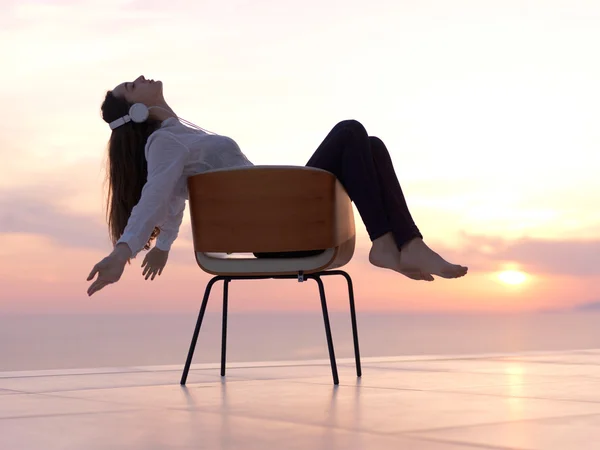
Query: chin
point(158, 88)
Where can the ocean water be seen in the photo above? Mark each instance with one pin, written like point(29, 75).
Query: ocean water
point(29, 342)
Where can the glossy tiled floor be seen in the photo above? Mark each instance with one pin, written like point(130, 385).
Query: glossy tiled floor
point(521, 401)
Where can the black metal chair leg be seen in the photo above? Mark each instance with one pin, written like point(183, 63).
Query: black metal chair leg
point(224, 329)
point(352, 315)
point(316, 277)
point(334, 371)
point(188, 361)
point(354, 325)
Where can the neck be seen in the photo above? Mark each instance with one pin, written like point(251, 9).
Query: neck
point(161, 111)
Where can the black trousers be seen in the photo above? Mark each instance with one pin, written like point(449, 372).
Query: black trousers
point(364, 167)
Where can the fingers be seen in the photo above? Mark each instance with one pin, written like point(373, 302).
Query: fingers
point(148, 271)
point(96, 286)
point(93, 273)
point(151, 272)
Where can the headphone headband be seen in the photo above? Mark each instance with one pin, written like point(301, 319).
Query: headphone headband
point(138, 113)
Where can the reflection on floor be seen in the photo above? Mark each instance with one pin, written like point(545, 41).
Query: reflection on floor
point(511, 401)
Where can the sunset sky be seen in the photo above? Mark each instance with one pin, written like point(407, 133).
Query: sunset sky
point(490, 109)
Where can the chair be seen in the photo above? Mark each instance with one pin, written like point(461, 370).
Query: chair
point(238, 213)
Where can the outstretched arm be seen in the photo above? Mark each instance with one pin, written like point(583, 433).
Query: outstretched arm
point(166, 159)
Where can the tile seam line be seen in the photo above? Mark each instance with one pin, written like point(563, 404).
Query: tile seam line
point(81, 413)
point(504, 422)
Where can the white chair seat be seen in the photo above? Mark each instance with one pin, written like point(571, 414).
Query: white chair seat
point(247, 263)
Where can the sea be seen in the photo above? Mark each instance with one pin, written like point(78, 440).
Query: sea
point(55, 341)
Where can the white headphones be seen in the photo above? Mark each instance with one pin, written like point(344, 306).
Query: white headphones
point(138, 113)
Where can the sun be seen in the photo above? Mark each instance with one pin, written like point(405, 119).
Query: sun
point(512, 277)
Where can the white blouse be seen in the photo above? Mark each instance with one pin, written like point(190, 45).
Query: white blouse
point(174, 152)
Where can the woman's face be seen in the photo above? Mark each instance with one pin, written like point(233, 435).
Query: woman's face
point(141, 90)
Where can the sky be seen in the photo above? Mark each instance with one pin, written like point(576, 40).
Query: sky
point(489, 110)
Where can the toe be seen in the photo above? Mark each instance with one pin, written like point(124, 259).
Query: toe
point(412, 274)
point(452, 273)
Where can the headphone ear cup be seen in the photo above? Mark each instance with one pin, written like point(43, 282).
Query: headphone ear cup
point(139, 112)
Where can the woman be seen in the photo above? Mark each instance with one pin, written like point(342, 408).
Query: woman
point(149, 162)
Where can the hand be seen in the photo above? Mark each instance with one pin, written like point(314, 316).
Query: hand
point(154, 263)
point(110, 269)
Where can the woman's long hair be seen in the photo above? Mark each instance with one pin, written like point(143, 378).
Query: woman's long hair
point(127, 168)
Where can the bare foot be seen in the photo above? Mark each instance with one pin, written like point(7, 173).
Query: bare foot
point(416, 253)
point(385, 254)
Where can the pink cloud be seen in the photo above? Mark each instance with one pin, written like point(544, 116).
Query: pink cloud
point(34, 211)
point(571, 256)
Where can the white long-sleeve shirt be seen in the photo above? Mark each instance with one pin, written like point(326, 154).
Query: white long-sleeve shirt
point(174, 152)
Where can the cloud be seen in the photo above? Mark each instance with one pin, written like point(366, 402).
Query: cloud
point(38, 209)
point(35, 210)
point(537, 256)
